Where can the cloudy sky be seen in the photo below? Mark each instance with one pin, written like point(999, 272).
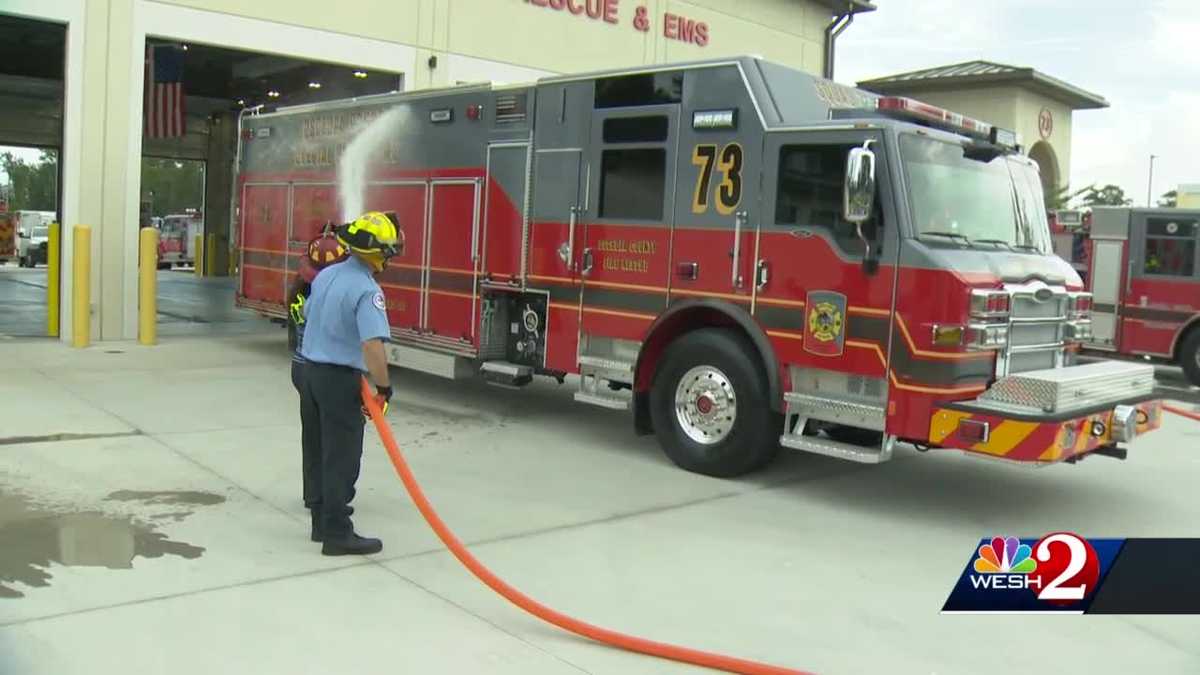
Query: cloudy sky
point(1142, 55)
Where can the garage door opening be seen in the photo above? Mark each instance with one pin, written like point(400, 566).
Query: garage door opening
point(32, 59)
point(195, 95)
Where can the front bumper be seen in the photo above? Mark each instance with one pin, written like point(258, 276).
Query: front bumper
point(1032, 441)
point(1048, 416)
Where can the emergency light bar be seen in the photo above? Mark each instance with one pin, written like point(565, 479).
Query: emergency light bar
point(901, 106)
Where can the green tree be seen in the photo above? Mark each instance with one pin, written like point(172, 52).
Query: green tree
point(1060, 197)
point(1169, 199)
point(32, 185)
point(172, 185)
point(1109, 195)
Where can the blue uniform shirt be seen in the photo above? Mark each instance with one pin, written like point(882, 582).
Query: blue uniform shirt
point(344, 310)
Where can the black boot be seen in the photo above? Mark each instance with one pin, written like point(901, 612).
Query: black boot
point(351, 544)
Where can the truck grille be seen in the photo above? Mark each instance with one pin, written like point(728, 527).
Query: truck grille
point(1035, 331)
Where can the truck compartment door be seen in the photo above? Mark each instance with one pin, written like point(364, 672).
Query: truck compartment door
point(451, 249)
point(403, 280)
point(504, 211)
point(555, 248)
point(264, 218)
point(625, 257)
point(1107, 277)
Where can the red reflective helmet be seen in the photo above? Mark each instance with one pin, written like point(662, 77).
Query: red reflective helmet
point(322, 251)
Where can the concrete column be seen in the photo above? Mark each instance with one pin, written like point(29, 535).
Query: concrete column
point(106, 167)
point(218, 189)
point(91, 157)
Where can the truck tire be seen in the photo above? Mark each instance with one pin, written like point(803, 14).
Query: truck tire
point(1189, 356)
point(710, 405)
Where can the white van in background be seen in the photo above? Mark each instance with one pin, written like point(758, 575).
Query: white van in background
point(33, 233)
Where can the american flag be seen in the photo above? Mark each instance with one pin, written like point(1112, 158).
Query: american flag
point(165, 114)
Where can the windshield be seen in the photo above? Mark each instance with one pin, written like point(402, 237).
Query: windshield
point(956, 198)
point(41, 232)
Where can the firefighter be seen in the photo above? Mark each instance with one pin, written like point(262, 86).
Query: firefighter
point(345, 329)
point(322, 251)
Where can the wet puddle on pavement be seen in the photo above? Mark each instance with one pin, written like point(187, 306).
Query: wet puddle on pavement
point(34, 535)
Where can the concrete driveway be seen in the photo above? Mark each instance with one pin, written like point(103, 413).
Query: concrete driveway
point(162, 531)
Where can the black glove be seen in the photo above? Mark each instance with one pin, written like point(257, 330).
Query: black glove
point(382, 396)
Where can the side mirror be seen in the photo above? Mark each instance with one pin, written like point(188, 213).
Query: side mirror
point(858, 197)
point(858, 194)
point(23, 235)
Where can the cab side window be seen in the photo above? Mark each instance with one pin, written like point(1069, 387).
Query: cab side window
point(633, 168)
point(1171, 247)
point(809, 194)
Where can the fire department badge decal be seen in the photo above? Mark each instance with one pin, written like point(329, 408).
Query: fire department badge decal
point(825, 329)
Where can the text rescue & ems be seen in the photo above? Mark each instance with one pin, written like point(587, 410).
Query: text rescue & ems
point(675, 26)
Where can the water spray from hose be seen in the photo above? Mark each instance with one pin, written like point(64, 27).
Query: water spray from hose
point(357, 161)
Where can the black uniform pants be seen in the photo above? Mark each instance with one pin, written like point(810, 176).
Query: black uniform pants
point(310, 440)
point(332, 437)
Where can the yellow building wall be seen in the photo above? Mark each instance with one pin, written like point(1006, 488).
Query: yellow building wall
point(1029, 107)
point(391, 20)
point(996, 105)
point(1188, 197)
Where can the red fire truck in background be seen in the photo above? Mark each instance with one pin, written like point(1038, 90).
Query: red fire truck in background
point(744, 255)
point(1142, 266)
point(177, 239)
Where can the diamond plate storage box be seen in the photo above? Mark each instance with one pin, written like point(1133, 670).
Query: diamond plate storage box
point(1058, 390)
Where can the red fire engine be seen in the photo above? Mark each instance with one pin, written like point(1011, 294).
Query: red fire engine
point(744, 255)
point(1143, 269)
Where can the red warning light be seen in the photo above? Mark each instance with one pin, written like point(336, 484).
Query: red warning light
point(474, 112)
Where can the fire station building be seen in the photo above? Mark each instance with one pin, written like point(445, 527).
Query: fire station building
point(80, 69)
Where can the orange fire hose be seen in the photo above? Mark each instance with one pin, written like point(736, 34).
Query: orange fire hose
point(516, 597)
point(1181, 412)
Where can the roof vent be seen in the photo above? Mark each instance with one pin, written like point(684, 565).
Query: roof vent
point(511, 107)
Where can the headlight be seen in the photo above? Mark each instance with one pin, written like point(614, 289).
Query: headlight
point(982, 336)
point(1079, 330)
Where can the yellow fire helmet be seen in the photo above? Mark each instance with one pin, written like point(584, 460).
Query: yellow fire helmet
point(374, 236)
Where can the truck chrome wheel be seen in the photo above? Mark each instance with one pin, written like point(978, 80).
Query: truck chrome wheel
point(705, 405)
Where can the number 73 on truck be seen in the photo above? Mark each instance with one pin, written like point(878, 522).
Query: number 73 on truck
point(743, 256)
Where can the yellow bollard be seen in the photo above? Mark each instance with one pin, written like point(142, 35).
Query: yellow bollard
point(148, 286)
point(53, 282)
point(198, 255)
point(210, 256)
point(81, 286)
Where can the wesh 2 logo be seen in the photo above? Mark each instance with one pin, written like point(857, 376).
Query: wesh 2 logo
point(1058, 571)
point(1059, 567)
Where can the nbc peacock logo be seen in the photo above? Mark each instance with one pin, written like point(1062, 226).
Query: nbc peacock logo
point(1005, 555)
point(1005, 563)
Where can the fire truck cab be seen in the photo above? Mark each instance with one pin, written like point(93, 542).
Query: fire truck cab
point(1144, 273)
point(744, 255)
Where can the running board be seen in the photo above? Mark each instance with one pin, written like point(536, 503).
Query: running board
point(435, 363)
point(505, 374)
point(615, 402)
point(832, 448)
point(848, 413)
point(597, 375)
